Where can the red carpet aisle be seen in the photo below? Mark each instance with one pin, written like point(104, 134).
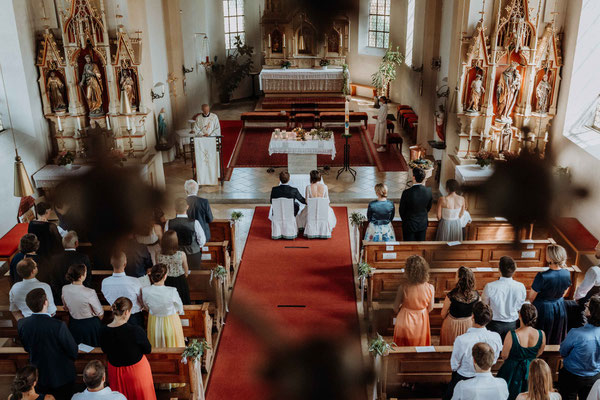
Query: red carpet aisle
point(318, 277)
point(231, 132)
point(391, 160)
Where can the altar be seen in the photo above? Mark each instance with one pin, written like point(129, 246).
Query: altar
point(302, 154)
point(471, 175)
point(302, 80)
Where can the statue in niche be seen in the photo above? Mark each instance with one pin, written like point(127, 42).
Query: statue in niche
point(55, 88)
point(439, 117)
point(276, 41)
point(91, 83)
point(333, 42)
point(542, 93)
point(507, 91)
point(505, 139)
point(128, 85)
point(477, 92)
point(162, 127)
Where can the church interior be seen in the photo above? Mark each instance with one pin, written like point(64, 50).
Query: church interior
point(294, 199)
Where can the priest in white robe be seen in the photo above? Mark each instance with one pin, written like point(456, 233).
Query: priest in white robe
point(380, 136)
point(207, 123)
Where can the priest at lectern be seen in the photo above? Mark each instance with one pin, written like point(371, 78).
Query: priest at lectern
point(207, 123)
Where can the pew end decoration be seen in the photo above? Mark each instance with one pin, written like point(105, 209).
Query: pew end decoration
point(236, 216)
point(195, 350)
point(357, 218)
point(365, 270)
point(365, 273)
point(221, 277)
point(357, 221)
point(379, 349)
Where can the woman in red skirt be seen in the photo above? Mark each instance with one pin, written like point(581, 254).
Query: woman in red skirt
point(125, 345)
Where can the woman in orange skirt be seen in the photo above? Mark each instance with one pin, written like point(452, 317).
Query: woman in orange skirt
point(414, 301)
point(457, 311)
point(125, 346)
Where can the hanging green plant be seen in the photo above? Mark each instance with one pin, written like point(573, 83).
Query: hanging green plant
point(379, 347)
point(365, 270)
point(357, 218)
point(194, 350)
point(237, 215)
point(386, 73)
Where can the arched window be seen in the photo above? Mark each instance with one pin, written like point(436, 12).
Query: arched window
point(233, 11)
point(379, 24)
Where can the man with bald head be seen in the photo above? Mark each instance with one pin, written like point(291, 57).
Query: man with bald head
point(207, 123)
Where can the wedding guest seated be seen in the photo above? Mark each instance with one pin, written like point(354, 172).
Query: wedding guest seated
point(83, 306)
point(415, 204)
point(457, 311)
point(461, 360)
point(380, 215)
point(27, 270)
point(540, 383)
point(177, 266)
point(521, 347)
point(94, 377)
point(62, 262)
point(190, 234)
point(28, 246)
point(120, 285)
point(581, 356)
point(450, 209)
point(316, 189)
point(505, 296)
point(547, 293)
point(45, 231)
point(125, 345)
point(483, 385)
point(286, 191)
point(23, 386)
point(414, 301)
point(199, 208)
point(138, 257)
point(50, 345)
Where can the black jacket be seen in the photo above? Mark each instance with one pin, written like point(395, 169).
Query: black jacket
point(288, 192)
point(138, 259)
point(415, 204)
point(60, 266)
point(51, 349)
point(201, 212)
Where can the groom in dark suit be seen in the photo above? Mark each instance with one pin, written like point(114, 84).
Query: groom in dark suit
point(286, 191)
point(415, 204)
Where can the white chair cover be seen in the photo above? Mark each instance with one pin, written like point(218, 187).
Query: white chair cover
point(317, 221)
point(283, 221)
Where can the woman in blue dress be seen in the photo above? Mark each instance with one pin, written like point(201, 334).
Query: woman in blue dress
point(547, 293)
point(380, 215)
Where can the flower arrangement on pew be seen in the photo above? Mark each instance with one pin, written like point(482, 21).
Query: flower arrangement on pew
point(219, 272)
point(194, 351)
point(365, 270)
point(357, 219)
point(236, 216)
point(379, 347)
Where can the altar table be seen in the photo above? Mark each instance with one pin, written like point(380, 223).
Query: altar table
point(473, 175)
point(301, 80)
point(51, 175)
point(302, 155)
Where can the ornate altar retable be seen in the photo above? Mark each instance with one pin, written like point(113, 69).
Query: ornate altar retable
point(302, 154)
point(302, 80)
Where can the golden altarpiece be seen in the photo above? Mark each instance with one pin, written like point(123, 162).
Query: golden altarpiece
point(508, 83)
point(90, 79)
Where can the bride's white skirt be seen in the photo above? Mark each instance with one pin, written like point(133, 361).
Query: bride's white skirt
point(301, 218)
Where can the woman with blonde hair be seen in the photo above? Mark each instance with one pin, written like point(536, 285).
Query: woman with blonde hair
point(547, 292)
point(540, 383)
point(380, 215)
point(457, 311)
point(414, 301)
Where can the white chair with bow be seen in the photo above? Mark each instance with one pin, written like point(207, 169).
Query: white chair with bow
point(283, 221)
point(318, 225)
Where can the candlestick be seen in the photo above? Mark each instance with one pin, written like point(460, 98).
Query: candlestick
point(284, 40)
point(59, 123)
point(107, 123)
point(128, 123)
point(347, 117)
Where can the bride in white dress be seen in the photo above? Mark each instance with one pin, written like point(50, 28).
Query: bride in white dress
point(316, 189)
point(451, 212)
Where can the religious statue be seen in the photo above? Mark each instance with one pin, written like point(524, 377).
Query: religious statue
point(505, 139)
point(439, 123)
point(162, 127)
point(542, 93)
point(477, 92)
point(55, 89)
point(91, 83)
point(128, 85)
point(507, 91)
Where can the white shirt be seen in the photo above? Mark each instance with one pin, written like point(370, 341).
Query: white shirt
point(104, 394)
point(207, 126)
point(19, 291)
point(505, 296)
point(462, 357)
point(592, 278)
point(121, 285)
point(382, 113)
point(200, 237)
point(162, 301)
point(483, 387)
point(595, 392)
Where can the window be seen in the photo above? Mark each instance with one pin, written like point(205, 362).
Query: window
point(233, 10)
point(410, 32)
point(379, 24)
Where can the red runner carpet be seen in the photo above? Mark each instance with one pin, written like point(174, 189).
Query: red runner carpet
point(230, 130)
point(318, 277)
point(391, 160)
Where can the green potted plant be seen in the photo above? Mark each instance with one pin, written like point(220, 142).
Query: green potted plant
point(285, 64)
point(484, 159)
point(386, 73)
point(66, 159)
point(324, 63)
point(233, 70)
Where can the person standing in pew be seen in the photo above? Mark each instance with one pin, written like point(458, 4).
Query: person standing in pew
point(138, 257)
point(505, 296)
point(190, 234)
point(23, 386)
point(177, 266)
point(450, 210)
point(94, 377)
point(120, 285)
point(287, 192)
point(62, 262)
point(126, 345)
point(414, 301)
point(46, 232)
point(415, 204)
point(380, 215)
point(457, 311)
point(50, 345)
point(199, 208)
point(483, 385)
point(461, 360)
point(17, 295)
point(588, 288)
point(28, 246)
point(581, 356)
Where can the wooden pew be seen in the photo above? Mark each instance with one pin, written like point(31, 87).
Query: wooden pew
point(223, 230)
point(328, 117)
point(265, 116)
point(165, 363)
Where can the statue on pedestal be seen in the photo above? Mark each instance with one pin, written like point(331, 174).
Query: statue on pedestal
point(55, 87)
point(477, 92)
point(505, 139)
point(128, 85)
point(162, 127)
point(507, 91)
point(542, 93)
point(91, 83)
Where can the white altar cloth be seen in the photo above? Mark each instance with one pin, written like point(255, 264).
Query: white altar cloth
point(284, 146)
point(301, 80)
point(207, 160)
point(472, 174)
point(51, 175)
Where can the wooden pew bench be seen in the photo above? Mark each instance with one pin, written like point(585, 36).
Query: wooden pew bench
point(265, 116)
point(223, 230)
point(332, 117)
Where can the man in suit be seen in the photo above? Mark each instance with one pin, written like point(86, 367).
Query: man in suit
point(199, 209)
point(50, 345)
point(190, 234)
point(62, 262)
point(415, 204)
point(138, 257)
point(287, 192)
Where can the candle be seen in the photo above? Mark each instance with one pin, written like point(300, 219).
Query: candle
point(347, 117)
point(128, 123)
point(269, 41)
point(341, 36)
point(59, 123)
point(284, 40)
point(107, 123)
point(546, 137)
point(207, 60)
point(78, 123)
